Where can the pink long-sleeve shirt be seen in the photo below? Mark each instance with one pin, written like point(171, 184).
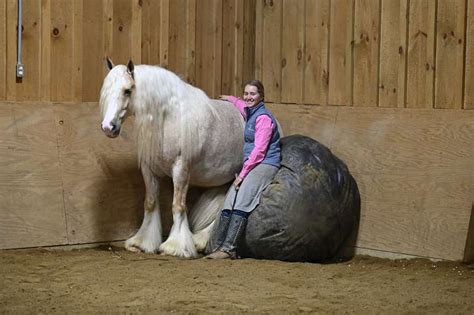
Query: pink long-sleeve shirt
point(263, 134)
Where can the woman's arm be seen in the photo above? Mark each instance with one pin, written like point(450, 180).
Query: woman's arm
point(238, 103)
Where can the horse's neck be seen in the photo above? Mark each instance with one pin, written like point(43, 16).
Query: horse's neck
point(159, 87)
point(154, 86)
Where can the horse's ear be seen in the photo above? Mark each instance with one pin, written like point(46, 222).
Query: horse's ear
point(109, 63)
point(130, 67)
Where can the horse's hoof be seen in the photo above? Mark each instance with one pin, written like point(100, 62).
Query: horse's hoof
point(170, 248)
point(133, 249)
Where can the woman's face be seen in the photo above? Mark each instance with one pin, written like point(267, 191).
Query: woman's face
point(251, 96)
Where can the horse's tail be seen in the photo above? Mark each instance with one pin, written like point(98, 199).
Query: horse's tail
point(205, 210)
point(204, 213)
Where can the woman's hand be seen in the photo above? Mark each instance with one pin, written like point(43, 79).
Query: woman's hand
point(224, 97)
point(238, 180)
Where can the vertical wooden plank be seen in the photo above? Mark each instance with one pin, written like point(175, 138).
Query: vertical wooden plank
point(191, 41)
point(217, 55)
point(420, 68)
point(136, 32)
point(26, 88)
point(3, 49)
point(93, 52)
point(232, 53)
point(164, 32)
point(45, 73)
point(177, 37)
point(259, 21)
point(108, 30)
point(10, 76)
point(449, 53)
point(146, 34)
point(31, 52)
point(122, 31)
point(271, 49)
point(151, 32)
point(62, 53)
point(366, 52)
point(469, 71)
point(292, 51)
point(316, 79)
point(340, 53)
point(77, 51)
point(229, 45)
point(251, 43)
point(241, 55)
point(393, 39)
point(209, 46)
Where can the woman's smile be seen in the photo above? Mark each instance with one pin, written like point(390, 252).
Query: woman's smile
point(251, 96)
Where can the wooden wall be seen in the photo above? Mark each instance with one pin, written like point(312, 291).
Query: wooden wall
point(207, 43)
point(375, 53)
point(367, 53)
point(414, 169)
point(387, 85)
point(61, 180)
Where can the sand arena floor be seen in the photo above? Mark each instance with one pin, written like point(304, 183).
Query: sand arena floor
point(109, 279)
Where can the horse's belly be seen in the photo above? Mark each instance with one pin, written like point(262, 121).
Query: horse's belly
point(206, 174)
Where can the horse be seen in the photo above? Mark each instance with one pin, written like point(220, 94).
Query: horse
point(182, 134)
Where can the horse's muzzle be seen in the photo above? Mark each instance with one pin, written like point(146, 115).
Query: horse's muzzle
point(111, 131)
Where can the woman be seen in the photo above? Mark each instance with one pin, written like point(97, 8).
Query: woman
point(261, 163)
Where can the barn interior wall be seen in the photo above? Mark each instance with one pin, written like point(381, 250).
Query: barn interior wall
point(387, 85)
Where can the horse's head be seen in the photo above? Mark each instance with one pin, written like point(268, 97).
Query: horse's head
point(116, 97)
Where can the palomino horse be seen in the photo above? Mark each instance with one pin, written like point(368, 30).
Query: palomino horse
point(182, 134)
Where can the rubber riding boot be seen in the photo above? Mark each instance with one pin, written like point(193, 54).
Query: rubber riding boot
point(218, 237)
point(236, 229)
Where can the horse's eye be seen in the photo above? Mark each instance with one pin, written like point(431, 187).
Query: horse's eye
point(127, 92)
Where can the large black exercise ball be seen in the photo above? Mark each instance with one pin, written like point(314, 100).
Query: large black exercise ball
point(308, 211)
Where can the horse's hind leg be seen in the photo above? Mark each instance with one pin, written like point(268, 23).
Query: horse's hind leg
point(148, 237)
point(180, 241)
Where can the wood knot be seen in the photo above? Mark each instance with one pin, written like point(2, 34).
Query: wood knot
point(299, 55)
point(120, 28)
point(55, 32)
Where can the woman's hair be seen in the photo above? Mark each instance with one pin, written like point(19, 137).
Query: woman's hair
point(258, 85)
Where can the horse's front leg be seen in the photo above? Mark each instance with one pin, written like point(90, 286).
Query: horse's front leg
point(148, 237)
point(180, 241)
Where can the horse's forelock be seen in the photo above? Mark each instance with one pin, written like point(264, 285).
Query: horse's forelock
point(114, 82)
